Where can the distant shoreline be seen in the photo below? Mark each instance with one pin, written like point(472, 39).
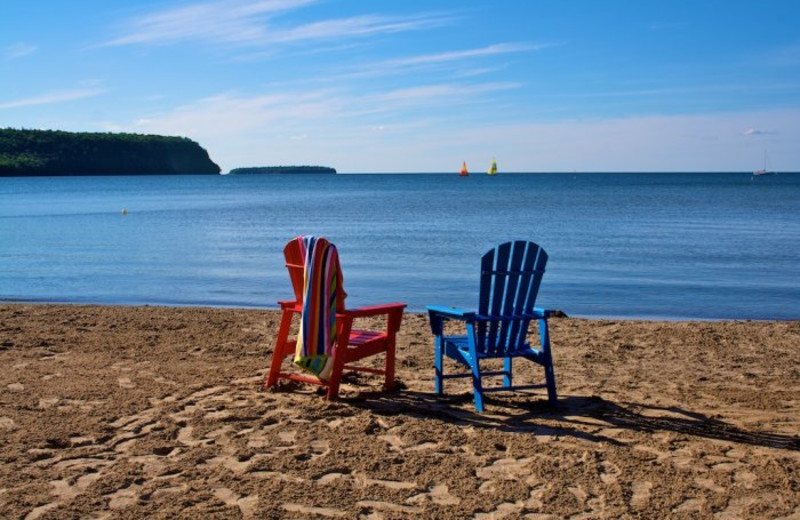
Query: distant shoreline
point(280, 170)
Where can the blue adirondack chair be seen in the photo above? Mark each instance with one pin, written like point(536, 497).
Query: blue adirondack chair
point(510, 278)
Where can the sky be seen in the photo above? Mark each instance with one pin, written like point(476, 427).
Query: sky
point(419, 85)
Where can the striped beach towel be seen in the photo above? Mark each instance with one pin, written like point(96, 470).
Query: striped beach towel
point(316, 338)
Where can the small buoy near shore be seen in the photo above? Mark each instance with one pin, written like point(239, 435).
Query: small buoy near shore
point(124, 211)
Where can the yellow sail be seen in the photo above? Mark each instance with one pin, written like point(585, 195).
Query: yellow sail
point(463, 172)
point(493, 168)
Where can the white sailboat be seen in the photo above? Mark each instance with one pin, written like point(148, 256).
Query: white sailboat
point(764, 170)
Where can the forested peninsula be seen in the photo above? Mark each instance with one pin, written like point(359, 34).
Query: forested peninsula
point(34, 153)
point(281, 169)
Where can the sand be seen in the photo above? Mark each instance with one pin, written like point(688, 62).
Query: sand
point(149, 412)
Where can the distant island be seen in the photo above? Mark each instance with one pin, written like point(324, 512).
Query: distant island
point(281, 169)
point(39, 153)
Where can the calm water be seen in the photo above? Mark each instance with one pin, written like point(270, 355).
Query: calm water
point(704, 246)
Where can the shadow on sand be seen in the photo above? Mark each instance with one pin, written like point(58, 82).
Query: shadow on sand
point(584, 417)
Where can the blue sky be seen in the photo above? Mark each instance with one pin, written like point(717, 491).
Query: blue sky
point(418, 86)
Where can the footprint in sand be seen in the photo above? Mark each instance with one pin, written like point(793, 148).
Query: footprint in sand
point(48, 403)
point(247, 504)
point(63, 491)
point(610, 472)
point(124, 497)
point(641, 494)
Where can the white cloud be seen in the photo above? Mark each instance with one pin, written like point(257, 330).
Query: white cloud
point(53, 97)
point(490, 50)
point(229, 22)
point(242, 23)
point(18, 50)
point(356, 26)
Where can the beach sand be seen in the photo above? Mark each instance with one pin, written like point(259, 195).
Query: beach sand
point(146, 412)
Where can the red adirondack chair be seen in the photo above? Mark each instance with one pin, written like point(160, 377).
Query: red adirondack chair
point(351, 344)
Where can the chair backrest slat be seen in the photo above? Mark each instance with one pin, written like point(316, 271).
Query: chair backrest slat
point(510, 278)
point(518, 328)
point(295, 264)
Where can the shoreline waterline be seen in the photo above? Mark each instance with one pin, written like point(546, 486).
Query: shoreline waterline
point(276, 308)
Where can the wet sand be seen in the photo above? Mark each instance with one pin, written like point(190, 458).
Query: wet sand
point(150, 412)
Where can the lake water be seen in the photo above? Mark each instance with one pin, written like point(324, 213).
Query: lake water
point(674, 246)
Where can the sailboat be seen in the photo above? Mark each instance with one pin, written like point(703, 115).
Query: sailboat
point(764, 170)
point(492, 168)
point(463, 172)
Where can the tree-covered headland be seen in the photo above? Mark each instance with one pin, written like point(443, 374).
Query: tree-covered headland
point(55, 152)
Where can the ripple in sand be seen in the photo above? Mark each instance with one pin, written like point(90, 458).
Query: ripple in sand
point(503, 510)
point(438, 495)
point(692, 505)
point(321, 511)
point(39, 511)
point(329, 478)
point(91, 463)
point(504, 468)
point(276, 475)
point(387, 506)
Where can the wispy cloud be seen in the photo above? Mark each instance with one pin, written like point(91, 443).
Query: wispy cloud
point(18, 50)
point(490, 50)
point(229, 22)
point(451, 92)
point(452, 61)
point(356, 26)
point(53, 97)
point(241, 23)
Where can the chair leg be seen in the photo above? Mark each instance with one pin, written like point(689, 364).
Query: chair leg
point(477, 384)
point(507, 372)
point(388, 382)
point(549, 371)
point(344, 326)
point(336, 376)
point(279, 352)
point(438, 380)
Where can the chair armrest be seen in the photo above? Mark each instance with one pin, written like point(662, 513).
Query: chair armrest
point(375, 310)
point(452, 313)
point(290, 305)
point(392, 311)
point(540, 313)
point(437, 314)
